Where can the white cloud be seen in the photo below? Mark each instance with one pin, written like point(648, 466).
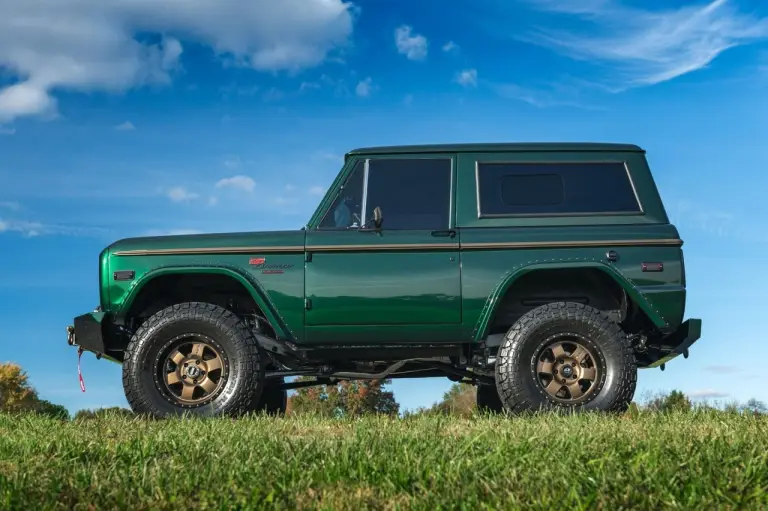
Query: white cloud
point(317, 190)
point(723, 369)
point(27, 229)
point(537, 97)
point(365, 87)
point(707, 394)
point(412, 46)
point(126, 126)
point(7, 131)
point(13, 206)
point(305, 86)
point(329, 156)
point(289, 187)
point(644, 47)
point(32, 229)
point(467, 78)
point(450, 47)
point(93, 45)
point(281, 200)
point(172, 232)
point(232, 162)
point(239, 90)
point(181, 194)
point(212, 201)
point(243, 183)
point(272, 95)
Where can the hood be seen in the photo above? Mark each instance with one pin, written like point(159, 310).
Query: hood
point(212, 241)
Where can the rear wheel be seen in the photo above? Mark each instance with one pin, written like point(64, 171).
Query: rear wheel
point(194, 358)
point(566, 356)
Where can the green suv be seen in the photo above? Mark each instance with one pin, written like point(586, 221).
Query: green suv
point(545, 274)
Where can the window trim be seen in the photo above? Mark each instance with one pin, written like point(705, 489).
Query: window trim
point(481, 215)
point(366, 170)
point(364, 205)
point(450, 158)
point(343, 181)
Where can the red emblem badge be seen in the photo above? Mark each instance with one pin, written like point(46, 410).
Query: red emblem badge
point(255, 261)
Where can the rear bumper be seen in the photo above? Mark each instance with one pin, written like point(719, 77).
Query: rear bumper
point(88, 332)
point(679, 341)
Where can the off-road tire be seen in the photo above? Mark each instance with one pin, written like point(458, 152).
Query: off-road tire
point(516, 374)
point(244, 383)
point(488, 400)
point(273, 400)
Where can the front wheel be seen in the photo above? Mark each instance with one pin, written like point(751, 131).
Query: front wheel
point(194, 358)
point(566, 356)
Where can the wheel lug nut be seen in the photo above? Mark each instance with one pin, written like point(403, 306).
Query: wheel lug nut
point(184, 377)
point(563, 380)
point(555, 371)
point(185, 364)
point(197, 362)
point(194, 381)
point(559, 361)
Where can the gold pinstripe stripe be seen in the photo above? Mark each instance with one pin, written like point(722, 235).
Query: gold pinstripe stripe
point(574, 244)
point(405, 246)
point(383, 247)
point(209, 250)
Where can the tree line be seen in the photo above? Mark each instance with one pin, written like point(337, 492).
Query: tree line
point(344, 399)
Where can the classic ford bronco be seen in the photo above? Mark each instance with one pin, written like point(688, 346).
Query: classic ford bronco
point(545, 274)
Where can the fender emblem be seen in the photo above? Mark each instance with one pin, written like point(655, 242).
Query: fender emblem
point(255, 261)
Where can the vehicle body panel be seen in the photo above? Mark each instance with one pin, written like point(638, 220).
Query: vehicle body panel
point(277, 283)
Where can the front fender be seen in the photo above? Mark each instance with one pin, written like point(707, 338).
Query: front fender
point(481, 328)
point(250, 283)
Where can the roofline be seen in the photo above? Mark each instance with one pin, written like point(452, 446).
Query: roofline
point(498, 147)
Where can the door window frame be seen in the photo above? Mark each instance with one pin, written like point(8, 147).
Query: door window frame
point(324, 208)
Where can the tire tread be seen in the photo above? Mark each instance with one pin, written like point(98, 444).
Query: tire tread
point(508, 380)
point(247, 355)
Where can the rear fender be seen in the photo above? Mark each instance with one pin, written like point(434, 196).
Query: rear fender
point(481, 328)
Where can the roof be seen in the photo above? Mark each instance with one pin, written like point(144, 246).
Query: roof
point(497, 147)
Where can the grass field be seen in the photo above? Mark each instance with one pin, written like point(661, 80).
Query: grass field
point(687, 461)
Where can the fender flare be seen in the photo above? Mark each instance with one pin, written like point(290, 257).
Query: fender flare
point(251, 284)
point(483, 322)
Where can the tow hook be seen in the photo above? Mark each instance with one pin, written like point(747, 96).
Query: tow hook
point(71, 335)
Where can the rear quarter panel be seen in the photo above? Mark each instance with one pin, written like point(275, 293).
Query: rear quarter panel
point(495, 251)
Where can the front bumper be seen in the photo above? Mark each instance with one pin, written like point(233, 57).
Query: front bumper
point(88, 332)
point(678, 342)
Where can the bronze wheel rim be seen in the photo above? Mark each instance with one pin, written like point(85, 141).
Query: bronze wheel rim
point(193, 370)
point(567, 369)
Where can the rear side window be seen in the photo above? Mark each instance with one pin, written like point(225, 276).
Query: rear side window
point(555, 189)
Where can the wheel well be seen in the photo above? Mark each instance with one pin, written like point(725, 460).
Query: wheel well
point(588, 286)
point(166, 290)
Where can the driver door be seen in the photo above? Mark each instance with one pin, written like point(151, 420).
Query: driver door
point(381, 285)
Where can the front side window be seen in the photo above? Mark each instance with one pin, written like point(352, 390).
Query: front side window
point(344, 213)
point(413, 193)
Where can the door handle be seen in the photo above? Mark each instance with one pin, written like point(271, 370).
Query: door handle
point(450, 233)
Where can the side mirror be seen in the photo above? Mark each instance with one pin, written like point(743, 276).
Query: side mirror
point(376, 220)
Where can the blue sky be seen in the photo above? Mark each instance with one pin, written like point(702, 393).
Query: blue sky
point(125, 118)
